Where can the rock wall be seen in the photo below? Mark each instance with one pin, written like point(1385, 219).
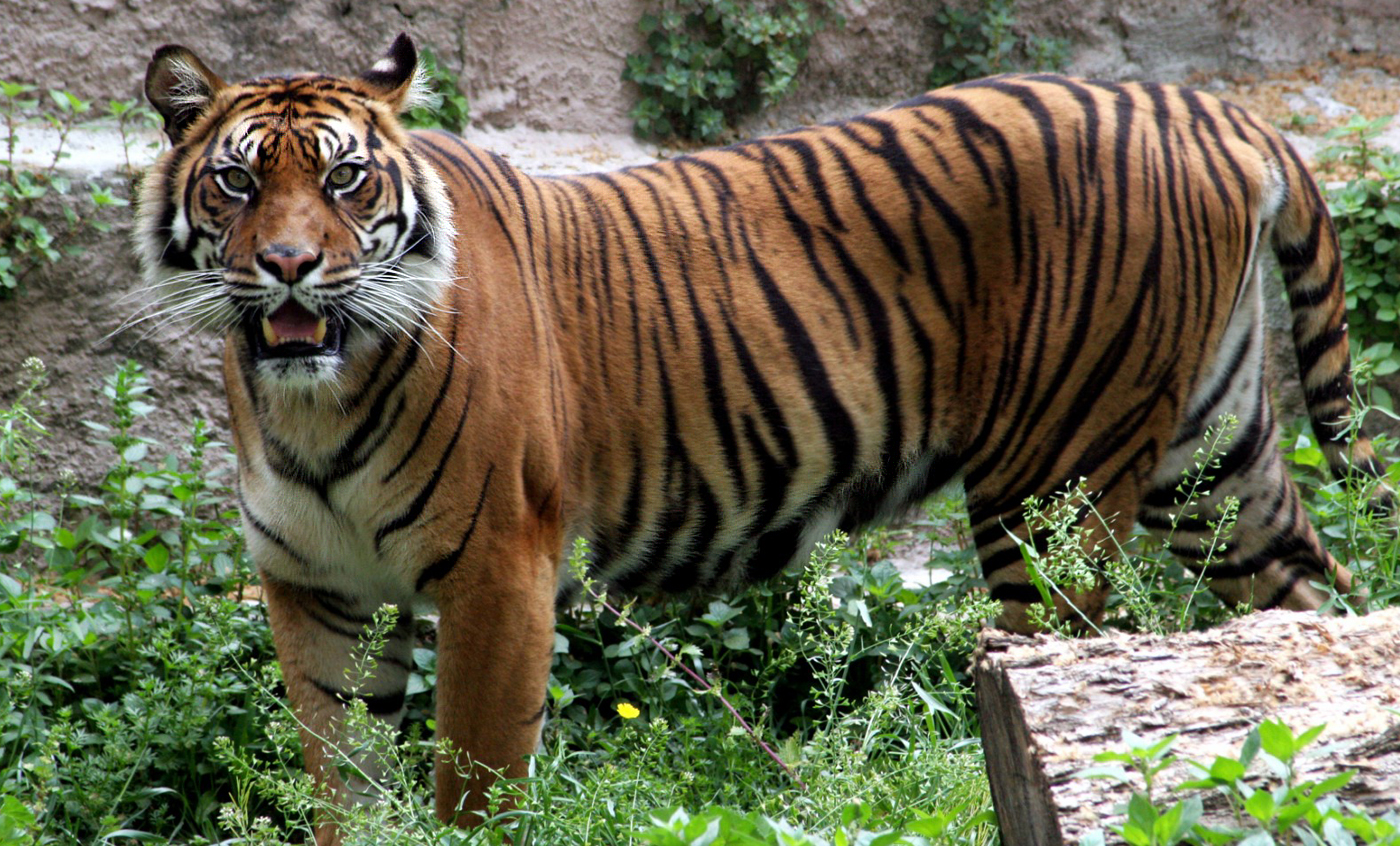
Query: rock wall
point(558, 64)
point(552, 63)
point(1174, 39)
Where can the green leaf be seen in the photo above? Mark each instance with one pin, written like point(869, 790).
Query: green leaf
point(1308, 737)
point(38, 521)
point(68, 103)
point(60, 559)
point(1172, 826)
point(16, 821)
point(1277, 739)
point(1135, 836)
point(1227, 770)
point(1250, 748)
point(1334, 783)
point(1141, 812)
point(11, 90)
point(157, 557)
point(1261, 805)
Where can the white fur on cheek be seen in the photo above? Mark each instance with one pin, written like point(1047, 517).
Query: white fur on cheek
point(180, 230)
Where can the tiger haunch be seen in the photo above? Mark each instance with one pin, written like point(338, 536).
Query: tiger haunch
point(440, 370)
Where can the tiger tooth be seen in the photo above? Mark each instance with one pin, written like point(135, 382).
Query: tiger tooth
point(320, 335)
point(269, 335)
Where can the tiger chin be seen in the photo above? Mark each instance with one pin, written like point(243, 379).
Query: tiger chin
point(441, 370)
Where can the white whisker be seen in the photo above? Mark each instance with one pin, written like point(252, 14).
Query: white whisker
point(202, 303)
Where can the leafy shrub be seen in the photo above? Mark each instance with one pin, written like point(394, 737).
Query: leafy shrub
point(1365, 540)
point(983, 41)
point(124, 645)
point(707, 62)
point(723, 827)
point(1366, 211)
point(26, 242)
point(139, 697)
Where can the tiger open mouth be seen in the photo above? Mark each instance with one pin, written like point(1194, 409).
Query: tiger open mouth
point(293, 331)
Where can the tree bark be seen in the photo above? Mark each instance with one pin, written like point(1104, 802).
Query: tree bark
point(1049, 705)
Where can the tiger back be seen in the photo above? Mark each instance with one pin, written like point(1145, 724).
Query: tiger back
point(441, 370)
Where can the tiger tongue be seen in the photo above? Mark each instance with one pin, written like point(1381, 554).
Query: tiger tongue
point(292, 322)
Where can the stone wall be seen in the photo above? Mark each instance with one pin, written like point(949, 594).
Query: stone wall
point(558, 65)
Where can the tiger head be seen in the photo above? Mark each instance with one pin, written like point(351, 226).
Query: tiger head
point(292, 214)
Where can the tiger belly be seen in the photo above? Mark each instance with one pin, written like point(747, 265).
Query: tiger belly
point(745, 549)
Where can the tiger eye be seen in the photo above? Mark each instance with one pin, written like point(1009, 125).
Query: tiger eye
point(343, 175)
point(237, 179)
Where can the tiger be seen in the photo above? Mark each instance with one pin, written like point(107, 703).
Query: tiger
point(440, 370)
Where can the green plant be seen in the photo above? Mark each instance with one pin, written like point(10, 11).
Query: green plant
point(448, 107)
point(609, 765)
point(1153, 592)
point(26, 242)
point(1276, 807)
point(1365, 539)
point(708, 62)
point(1146, 825)
point(21, 431)
point(120, 628)
point(127, 114)
point(1366, 211)
point(1297, 122)
point(724, 827)
point(139, 699)
point(984, 41)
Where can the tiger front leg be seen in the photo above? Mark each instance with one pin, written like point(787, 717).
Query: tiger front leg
point(321, 640)
point(495, 646)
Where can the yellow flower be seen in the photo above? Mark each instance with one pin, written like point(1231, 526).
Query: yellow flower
point(628, 711)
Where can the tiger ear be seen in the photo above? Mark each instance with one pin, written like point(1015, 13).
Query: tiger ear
point(180, 87)
point(396, 78)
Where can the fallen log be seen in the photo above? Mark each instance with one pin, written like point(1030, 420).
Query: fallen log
point(1048, 705)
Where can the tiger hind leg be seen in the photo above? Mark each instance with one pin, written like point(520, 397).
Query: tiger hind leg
point(1228, 447)
point(1091, 527)
point(1270, 557)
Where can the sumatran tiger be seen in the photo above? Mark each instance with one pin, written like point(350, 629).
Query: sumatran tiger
point(441, 370)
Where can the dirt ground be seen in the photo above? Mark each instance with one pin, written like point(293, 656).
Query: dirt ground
point(1307, 102)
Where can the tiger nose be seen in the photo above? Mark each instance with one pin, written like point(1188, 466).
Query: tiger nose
point(289, 264)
